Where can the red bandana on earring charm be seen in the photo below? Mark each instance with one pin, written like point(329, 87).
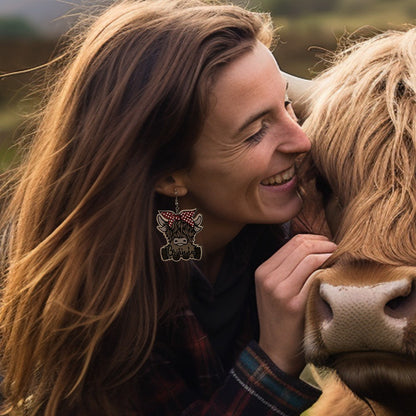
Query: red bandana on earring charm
point(186, 215)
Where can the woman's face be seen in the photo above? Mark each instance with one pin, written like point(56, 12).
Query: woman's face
point(243, 170)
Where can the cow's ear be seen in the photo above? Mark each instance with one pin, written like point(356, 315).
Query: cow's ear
point(169, 184)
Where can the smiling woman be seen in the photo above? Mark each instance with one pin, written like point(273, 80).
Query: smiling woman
point(162, 104)
point(243, 161)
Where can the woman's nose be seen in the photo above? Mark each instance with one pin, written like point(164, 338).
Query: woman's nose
point(296, 141)
point(303, 141)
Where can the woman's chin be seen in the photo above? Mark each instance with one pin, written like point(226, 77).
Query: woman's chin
point(281, 211)
point(386, 378)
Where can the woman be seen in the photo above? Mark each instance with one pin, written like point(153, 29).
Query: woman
point(107, 309)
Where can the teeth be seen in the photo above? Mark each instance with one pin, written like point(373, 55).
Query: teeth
point(281, 178)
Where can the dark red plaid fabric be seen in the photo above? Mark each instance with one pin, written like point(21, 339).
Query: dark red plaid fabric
point(185, 377)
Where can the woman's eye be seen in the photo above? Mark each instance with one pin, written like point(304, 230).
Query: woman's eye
point(256, 137)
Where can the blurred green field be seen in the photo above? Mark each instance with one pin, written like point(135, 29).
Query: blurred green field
point(9, 122)
point(305, 38)
point(306, 29)
point(19, 93)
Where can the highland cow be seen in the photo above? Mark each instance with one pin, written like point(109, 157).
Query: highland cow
point(361, 314)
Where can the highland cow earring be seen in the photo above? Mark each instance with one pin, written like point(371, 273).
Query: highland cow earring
point(179, 229)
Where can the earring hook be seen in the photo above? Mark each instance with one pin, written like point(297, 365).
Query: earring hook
point(176, 202)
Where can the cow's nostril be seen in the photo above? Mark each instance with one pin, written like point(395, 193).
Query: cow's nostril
point(326, 311)
point(403, 306)
point(324, 308)
point(396, 303)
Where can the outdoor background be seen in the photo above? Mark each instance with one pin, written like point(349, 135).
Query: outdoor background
point(29, 30)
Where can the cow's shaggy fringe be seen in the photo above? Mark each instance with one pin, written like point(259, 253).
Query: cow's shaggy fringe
point(363, 128)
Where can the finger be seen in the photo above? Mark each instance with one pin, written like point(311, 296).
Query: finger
point(304, 293)
point(292, 245)
point(302, 279)
point(303, 256)
point(292, 253)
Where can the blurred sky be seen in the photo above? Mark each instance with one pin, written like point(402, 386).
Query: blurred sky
point(46, 15)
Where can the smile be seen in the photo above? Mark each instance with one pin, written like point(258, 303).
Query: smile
point(280, 178)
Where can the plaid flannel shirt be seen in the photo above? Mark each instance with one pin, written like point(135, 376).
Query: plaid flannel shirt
point(185, 377)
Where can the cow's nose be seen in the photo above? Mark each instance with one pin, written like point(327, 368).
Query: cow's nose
point(180, 241)
point(365, 318)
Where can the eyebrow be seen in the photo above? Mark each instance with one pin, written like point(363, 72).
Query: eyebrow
point(252, 119)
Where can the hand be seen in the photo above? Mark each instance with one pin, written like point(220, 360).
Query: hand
point(282, 286)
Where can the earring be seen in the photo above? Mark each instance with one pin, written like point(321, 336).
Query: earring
point(179, 229)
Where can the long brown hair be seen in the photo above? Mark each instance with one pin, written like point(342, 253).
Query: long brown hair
point(84, 289)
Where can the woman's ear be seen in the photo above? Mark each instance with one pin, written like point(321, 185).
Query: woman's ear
point(172, 185)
